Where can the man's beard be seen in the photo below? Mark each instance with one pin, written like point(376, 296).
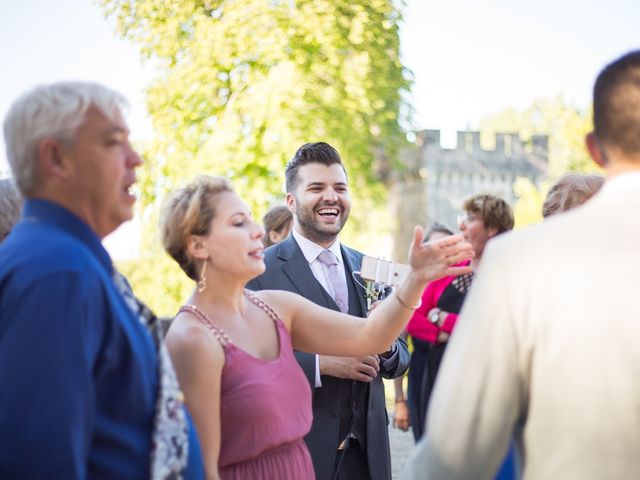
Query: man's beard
point(313, 230)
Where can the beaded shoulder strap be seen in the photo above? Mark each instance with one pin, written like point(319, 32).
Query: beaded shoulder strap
point(200, 315)
point(260, 304)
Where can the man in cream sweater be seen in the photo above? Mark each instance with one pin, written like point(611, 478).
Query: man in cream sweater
point(547, 350)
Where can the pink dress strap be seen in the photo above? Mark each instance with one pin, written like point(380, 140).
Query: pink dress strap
point(265, 307)
point(200, 315)
point(265, 408)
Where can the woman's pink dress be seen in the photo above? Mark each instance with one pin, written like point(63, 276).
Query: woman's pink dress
point(265, 409)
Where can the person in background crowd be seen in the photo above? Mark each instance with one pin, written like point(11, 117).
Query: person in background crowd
point(570, 191)
point(483, 218)
point(407, 413)
point(528, 359)
point(10, 205)
point(87, 391)
point(277, 225)
point(233, 349)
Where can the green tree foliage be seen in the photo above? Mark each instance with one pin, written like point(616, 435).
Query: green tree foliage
point(241, 85)
point(566, 126)
point(528, 207)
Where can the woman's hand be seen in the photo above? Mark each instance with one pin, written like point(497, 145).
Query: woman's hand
point(437, 316)
point(433, 260)
point(401, 418)
point(442, 337)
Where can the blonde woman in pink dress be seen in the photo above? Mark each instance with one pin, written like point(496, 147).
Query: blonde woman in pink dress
point(233, 349)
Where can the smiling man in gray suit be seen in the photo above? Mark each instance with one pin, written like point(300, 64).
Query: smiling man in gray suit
point(349, 434)
point(548, 343)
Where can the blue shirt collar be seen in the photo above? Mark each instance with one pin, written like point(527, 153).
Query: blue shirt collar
point(44, 211)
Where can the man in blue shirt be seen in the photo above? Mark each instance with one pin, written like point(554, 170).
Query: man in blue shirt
point(85, 390)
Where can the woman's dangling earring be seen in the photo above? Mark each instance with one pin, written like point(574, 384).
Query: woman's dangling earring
point(202, 283)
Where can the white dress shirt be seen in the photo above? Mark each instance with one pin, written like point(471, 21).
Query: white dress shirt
point(311, 250)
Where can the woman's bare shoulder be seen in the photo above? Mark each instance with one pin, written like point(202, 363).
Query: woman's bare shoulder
point(189, 336)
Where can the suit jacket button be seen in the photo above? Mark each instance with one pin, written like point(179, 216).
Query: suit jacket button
point(335, 414)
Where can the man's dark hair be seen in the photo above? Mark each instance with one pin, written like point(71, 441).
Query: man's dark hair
point(436, 227)
point(319, 152)
point(616, 104)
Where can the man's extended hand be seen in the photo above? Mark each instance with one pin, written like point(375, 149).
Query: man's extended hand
point(363, 369)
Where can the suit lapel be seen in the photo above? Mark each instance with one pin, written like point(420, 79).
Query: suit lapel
point(352, 262)
point(296, 268)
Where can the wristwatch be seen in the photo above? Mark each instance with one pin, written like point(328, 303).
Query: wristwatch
point(434, 315)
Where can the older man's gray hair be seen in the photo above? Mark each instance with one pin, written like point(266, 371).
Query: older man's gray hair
point(51, 111)
point(10, 205)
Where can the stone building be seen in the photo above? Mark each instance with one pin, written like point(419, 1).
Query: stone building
point(434, 181)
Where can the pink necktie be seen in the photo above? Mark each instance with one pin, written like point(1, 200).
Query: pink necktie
point(337, 281)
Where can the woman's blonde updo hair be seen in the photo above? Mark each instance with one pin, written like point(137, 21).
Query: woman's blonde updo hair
point(189, 211)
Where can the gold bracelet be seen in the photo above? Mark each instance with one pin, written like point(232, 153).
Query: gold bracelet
point(408, 307)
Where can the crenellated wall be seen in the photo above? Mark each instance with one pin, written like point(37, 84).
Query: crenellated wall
point(435, 181)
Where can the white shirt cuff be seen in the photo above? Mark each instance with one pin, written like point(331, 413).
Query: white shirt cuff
point(318, 382)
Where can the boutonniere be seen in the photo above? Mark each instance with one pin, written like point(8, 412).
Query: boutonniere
point(374, 292)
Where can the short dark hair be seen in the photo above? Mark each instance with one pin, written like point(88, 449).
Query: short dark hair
point(318, 152)
point(494, 211)
point(436, 227)
point(616, 104)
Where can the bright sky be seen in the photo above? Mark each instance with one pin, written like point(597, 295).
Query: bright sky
point(41, 42)
point(469, 58)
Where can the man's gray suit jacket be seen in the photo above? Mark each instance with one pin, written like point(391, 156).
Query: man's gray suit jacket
point(287, 269)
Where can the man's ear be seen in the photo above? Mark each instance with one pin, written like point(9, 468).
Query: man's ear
point(492, 232)
point(196, 248)
point(595, 150)
point(291, 203)
point(51, 158)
